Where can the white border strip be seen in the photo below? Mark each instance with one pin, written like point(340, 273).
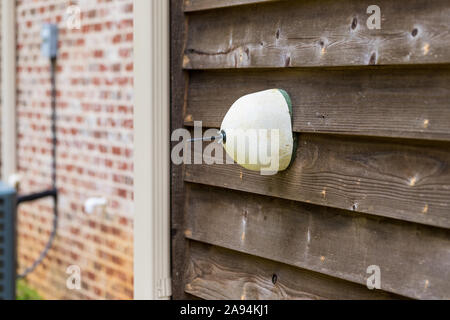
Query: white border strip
point(8, 66)
point(152, 150)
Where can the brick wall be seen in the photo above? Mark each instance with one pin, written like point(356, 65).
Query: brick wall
point(95, 132)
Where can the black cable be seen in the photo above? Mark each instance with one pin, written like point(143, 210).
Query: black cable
point(36, 196)
point(53, 95)
point(50, 193)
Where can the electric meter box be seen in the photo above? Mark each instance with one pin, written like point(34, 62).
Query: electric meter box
point(49, 35)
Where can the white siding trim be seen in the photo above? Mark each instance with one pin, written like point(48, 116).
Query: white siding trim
point(152, 150)
point(8, 66)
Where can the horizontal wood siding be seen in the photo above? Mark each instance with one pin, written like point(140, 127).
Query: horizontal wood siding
point(390, 102)
point(333, 242)
point(319, 33)
point(217, 273)
point(370, 183)
point(391, 179)
point(198, 5)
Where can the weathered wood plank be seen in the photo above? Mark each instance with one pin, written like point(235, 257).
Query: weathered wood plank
point(414, 259)
point(178, 87)
point(199, 5)
point(325, 33)
point(408, 103)
point(217, 273)
point(407, 181)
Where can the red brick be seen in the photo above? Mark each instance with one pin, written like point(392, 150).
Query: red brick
point(92, 158)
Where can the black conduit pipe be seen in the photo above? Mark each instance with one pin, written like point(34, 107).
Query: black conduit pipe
point(53, 193)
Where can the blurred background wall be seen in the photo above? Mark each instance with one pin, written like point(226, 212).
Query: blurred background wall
point(95, 137)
